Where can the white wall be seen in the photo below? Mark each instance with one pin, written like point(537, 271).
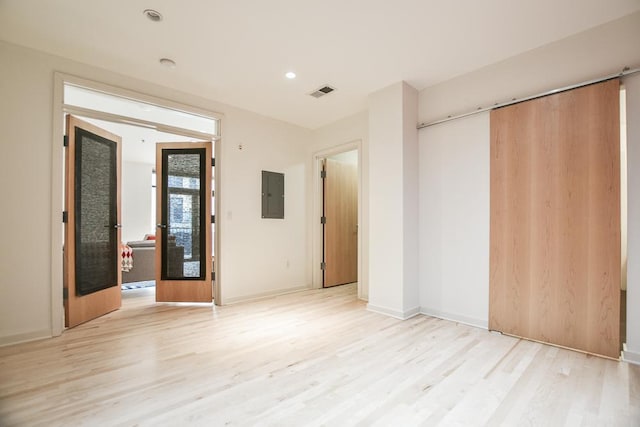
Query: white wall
point(601, 51)
point(393, 179)
point(632, 352)
point(136, 201)
point(410, 165)
point(30, 258)
point(262, 256)
point(385, 200)
point(25, 120)
point(348, 157)
point(452, 172)
point(327, 138)
point(454, 220)
point(343, 131)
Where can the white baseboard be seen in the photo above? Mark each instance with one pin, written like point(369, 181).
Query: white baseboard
point(402, 315)
point(26, 337)
point(471, 321)
point(630, 356)
point(260, 295)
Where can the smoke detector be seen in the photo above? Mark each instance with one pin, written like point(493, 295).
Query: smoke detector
point(322, 91)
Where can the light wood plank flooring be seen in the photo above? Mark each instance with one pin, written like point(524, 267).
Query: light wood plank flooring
point(306, 359)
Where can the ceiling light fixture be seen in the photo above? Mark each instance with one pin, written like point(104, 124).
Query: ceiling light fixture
point(167, 63)
point(153, 15)
point(290, 75)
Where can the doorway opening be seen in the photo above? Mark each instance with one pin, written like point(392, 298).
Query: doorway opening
point(337, 215)
point(340, 219)
point(623, 215)
point(142, 122)
point(139, 203)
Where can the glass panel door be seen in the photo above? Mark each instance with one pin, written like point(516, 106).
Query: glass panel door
point(92, 231)
point(183, 238)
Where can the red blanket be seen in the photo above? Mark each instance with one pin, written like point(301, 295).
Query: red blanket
point(127, 257)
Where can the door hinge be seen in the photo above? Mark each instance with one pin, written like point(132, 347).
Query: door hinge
point(323, 220)
point(213, 275)
point(65, 141)
point(323, 174)
point(323, 266)
point(213, 219)
point(65, 217)
point(213, 161)
point(65, 293)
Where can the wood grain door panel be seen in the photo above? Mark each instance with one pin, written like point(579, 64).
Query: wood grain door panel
point(183, 210)
point(90, 230)
point(341, 227)
point(555, 219)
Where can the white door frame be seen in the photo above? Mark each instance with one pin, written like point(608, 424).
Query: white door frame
point(57, 181)
point(317, 237)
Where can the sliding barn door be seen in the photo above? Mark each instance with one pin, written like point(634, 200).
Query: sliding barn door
point(555, 219)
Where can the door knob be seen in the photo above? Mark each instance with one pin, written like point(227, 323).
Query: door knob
point(161, 225)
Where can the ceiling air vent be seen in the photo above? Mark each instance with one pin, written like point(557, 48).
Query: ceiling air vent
point(324, 90)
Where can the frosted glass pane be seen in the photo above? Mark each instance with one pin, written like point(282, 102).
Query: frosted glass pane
point(95, 213)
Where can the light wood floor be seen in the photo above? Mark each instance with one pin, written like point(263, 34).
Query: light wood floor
point(310, 358)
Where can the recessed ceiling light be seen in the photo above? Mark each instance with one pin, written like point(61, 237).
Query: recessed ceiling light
point(168, 63)
point(290, 75)
point(153, 15)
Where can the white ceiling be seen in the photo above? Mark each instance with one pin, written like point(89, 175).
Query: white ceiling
point(237, 52)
